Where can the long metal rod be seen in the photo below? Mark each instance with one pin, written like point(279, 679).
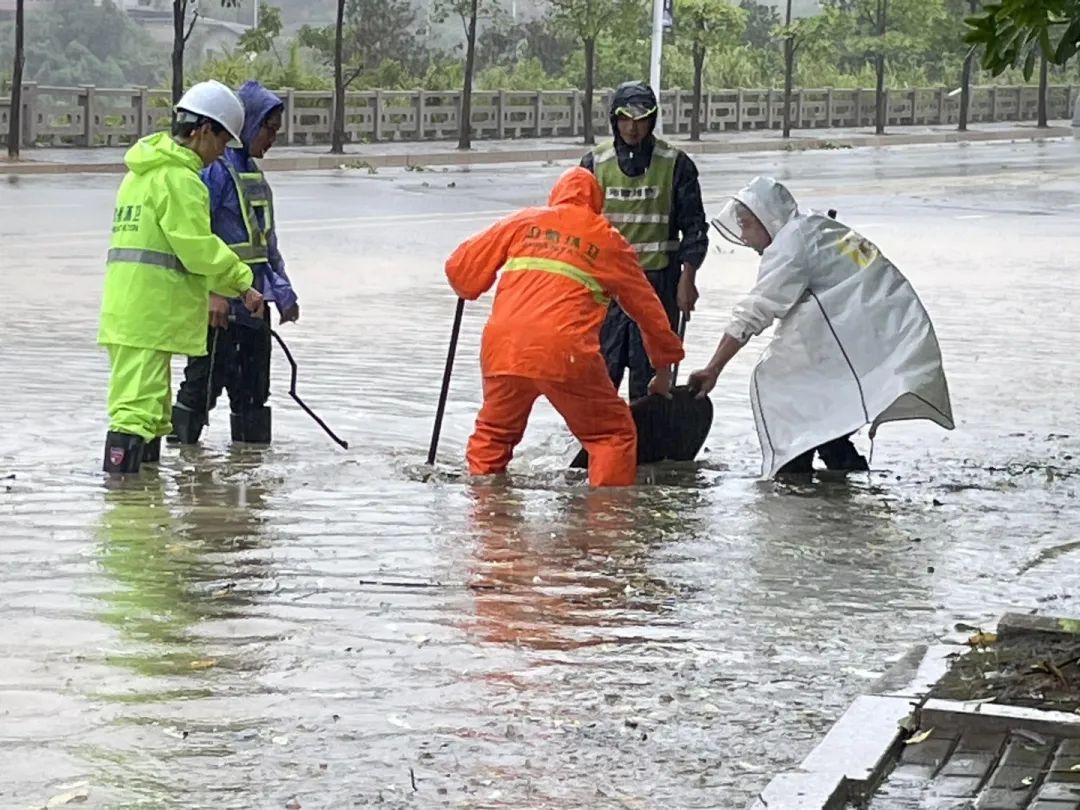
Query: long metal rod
point(292, 392)
point(441, 409)
point(210, 376)
point(683, 320)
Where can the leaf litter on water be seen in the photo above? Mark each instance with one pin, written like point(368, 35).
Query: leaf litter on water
point(922, 736)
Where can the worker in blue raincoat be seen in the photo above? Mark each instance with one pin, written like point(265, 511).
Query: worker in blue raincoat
point(238, 344)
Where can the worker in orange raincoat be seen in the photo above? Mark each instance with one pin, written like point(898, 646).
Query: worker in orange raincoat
point(561, 266)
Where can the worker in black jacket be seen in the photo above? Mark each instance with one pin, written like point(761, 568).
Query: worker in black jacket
point(652, 196)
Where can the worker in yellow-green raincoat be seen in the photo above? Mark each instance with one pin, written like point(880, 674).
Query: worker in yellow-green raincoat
point(163, 263)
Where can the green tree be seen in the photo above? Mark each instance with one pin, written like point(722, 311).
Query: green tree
point(587, 20)
point(525, 74)
point(77, 42)
point(14, 137)
point(468, 11)
point(761, 21)
point(850, 36)
point(618, 56)
point(263, 37)
point(298, 73)
point(707, 26)
point(337, 138)
point(1015, 32)
point(182, 28)
point(235, 67)
point(372, 32)
point(368, 36)
point(965, 77)
point(506, 44)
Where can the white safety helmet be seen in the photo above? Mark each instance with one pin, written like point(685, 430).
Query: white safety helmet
point(217, 102)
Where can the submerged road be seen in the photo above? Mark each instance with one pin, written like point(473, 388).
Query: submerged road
point(246, 626)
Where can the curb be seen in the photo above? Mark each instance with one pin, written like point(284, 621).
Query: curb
point(857, 751)
point(848, 762)
point(481, 158)
point(981, 716)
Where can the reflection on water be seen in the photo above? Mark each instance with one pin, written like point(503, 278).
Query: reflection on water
point(575, 575)
point(174, 565)
point(183, 565)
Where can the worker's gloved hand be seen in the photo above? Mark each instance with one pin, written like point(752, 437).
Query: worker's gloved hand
point(702, 381)
point(291, 315)
point(253, 302)
point(661, 383)
point(219, 311)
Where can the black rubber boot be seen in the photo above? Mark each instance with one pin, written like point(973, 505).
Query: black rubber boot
point(840, 455)
point(251, 427)
point(152, 451)
point(187, 426)
point(123, 453)
point(799, 466)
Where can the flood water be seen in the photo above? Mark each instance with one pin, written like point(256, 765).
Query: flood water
point(247, 627)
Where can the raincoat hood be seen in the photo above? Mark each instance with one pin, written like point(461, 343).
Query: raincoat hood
point(158, 150)
point(638, 98)
point(258, 104)
point(578, 186)
point(770, 202)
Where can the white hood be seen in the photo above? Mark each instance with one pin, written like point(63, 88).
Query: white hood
point(770, 202)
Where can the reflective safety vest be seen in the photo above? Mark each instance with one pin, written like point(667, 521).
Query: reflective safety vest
point(559, 268)
point(255, 196)
point(640, 207)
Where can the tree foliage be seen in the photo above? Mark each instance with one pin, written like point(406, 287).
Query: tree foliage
point(379, 43)
point(388, 44)
point(1015, 32)
point(76, 42)
point(710, 25)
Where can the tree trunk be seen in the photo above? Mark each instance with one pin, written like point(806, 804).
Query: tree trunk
point(965, 77)
point(965, 90)
point(879, 92)
point(179, 7)
point(590, 58)
point(1043, 76)
point(789, 73)
point(337, 137)
point(465, 124)
point(15, 118)
point(699, 69)
point(880, 111)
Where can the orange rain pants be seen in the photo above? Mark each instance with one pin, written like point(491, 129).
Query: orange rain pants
point(593, 410)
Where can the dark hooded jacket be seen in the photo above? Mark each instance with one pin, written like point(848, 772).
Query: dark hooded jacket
point(226, 218)
point(688, 222)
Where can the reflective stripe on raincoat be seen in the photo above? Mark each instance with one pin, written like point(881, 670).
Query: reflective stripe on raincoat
point(561, 265)
point(163, 258)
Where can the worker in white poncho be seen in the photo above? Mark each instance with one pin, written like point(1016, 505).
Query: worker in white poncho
point(854, 345)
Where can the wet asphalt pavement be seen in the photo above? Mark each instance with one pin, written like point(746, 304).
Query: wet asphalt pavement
point(246, 626)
